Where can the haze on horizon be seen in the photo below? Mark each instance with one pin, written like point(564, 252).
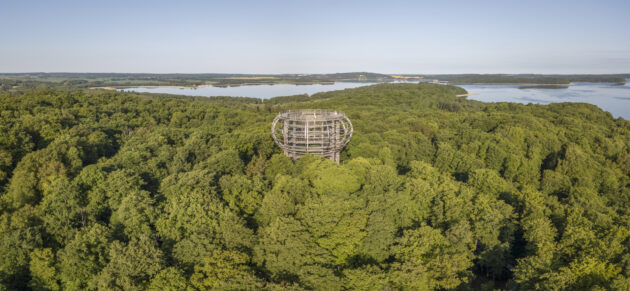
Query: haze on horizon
point(271, 37)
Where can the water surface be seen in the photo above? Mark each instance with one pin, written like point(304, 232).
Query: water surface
point(610, 97)
point(257, 91)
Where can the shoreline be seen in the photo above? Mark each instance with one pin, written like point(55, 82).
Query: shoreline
point(321, 83)
point(520, 84)
point(150, 87)
point(222, 85)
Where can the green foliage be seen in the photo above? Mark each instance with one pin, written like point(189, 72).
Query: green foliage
point(135, 215)
point(42, 269)
point(285, 247)
point(243, 194)
point(84, 257)
point(169, 279)
point(327, 177)
point(225, 270)
point(282, 199)
point(444, 261)
point(336, 222)
point(131, 266)
point(120, 191)
point(16, 243)
point(61, 209)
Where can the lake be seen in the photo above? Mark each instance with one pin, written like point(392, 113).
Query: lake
point(612, 98)
point(258, 91)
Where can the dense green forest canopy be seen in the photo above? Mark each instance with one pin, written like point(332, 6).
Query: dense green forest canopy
point(122, 191)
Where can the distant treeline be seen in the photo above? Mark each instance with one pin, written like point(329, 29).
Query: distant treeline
point(21, 81)
point(621, 79)
point(526, 79)
point(88, 80)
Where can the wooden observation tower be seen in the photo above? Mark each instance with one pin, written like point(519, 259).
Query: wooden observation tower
point(317, 132)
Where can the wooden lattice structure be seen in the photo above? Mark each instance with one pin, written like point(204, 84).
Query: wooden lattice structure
point(317, 132)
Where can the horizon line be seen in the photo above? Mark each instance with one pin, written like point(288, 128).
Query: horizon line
point(346, 72)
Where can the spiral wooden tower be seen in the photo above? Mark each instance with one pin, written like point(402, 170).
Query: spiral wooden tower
point(317, 132)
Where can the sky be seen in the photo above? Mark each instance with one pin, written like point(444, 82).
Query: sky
point(272, 37)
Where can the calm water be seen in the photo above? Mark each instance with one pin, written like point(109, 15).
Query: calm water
point(258, 91)
point(612, 98)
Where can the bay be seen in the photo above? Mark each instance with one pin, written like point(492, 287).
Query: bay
point(256, 91)
point(609, 97)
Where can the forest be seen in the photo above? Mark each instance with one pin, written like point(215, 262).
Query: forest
point(107, 190)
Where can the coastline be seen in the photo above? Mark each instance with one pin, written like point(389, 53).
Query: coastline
point(150, 87)
point(520, 84)
point(525, 85)
point(215, 85)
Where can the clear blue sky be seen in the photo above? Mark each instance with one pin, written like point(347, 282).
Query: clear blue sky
point(315, 36)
